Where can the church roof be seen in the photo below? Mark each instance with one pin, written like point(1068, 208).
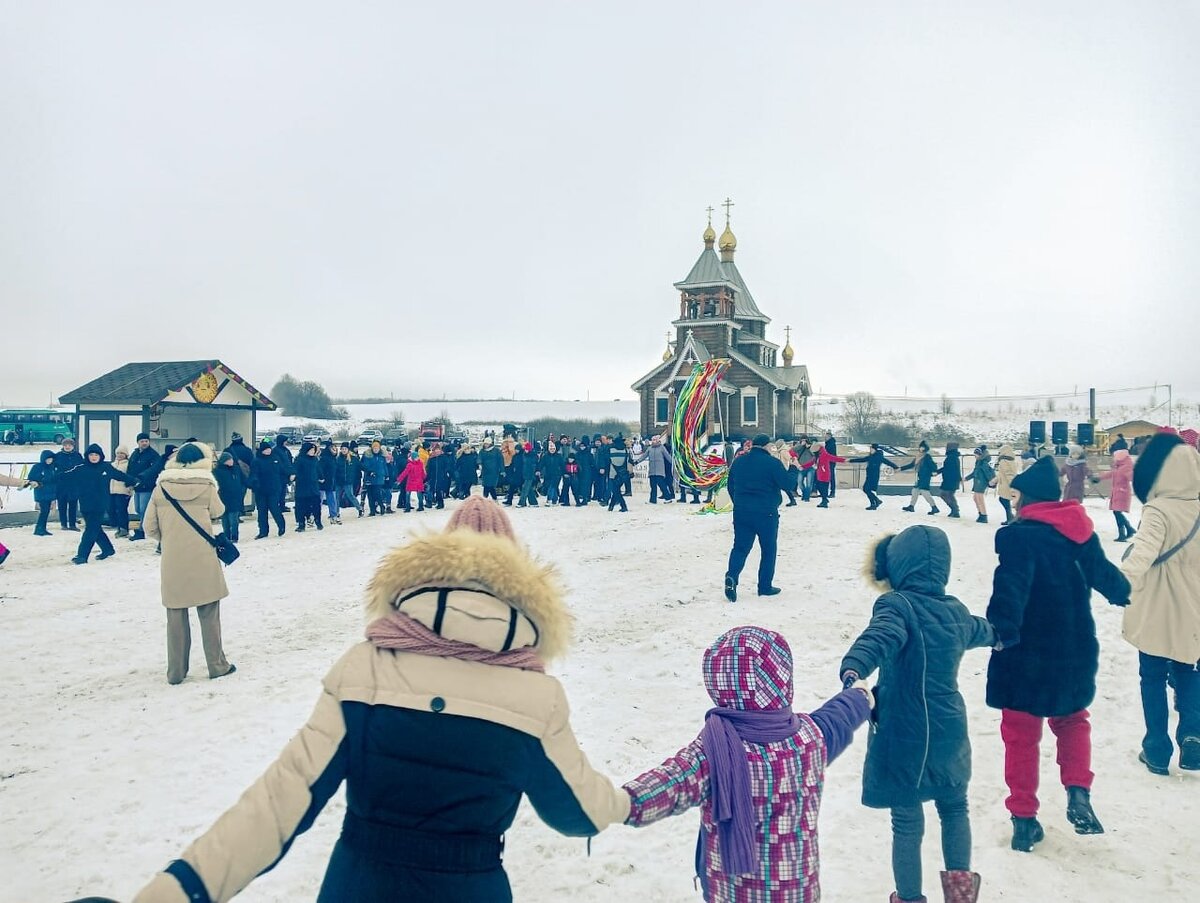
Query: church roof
point(675, 363)
point(706, 271)
point(745, 307)
point(709, 271)
point(794, 378)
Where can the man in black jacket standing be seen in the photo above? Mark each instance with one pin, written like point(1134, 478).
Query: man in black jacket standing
point(142, 462)
point(68, 494)
point(756, 480)
point(831, 447)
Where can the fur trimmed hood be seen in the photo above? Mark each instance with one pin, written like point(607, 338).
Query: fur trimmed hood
point(493, 565)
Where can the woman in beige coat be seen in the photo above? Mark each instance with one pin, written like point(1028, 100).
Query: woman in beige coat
point(191, 572)
point(1006, 468)
point(1163, 617)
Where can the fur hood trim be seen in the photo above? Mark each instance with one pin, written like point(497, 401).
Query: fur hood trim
point(469, 560)
point(183, 473)
point(871, 563)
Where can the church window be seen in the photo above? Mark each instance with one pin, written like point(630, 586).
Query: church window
point(749, 407)
point(661, 408)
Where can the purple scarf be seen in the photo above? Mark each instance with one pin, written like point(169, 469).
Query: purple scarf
point(729, 777)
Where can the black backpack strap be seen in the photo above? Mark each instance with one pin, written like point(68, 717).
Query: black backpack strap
point(187, 517)
point(1183, 542)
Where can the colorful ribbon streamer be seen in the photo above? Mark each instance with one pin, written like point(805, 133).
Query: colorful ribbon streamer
point(697, 470)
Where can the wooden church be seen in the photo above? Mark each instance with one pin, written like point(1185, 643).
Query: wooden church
point(719, 318)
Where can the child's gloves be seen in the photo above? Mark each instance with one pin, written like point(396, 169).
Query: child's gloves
point(849, 679)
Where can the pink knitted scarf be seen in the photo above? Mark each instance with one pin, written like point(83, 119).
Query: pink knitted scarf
point(398, 631)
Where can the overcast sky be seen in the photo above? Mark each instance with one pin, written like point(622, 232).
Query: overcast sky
point(487, 199)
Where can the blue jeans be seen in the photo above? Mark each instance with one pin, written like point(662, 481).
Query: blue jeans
point(229, 523)
point(1155, 673)
point(808, 479)
point(908, 829)
point(141, 501)
point(747, 527)
point(331, 502)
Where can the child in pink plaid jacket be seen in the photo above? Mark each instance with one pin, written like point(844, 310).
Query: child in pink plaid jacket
point(756, 771)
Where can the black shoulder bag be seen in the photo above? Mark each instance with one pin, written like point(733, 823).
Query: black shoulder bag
point(226, 551)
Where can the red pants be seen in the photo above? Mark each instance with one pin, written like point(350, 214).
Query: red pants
point(1021, 734)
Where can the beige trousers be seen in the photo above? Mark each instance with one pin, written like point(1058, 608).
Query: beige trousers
point(179, 641)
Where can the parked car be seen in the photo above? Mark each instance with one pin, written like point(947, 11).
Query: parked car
point(318, 437)
point(366, 437)
point(292, 433)
point(396, 434)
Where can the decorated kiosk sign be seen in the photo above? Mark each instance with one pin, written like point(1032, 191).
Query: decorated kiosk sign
point(170, 400)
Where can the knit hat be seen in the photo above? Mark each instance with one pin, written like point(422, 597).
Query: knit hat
point(413, 456)
point(483, 516)
point(528, 446)
point(189, 453)
point(95, 449)
point(1039, 483)
point(169, 450)
point(761, 440)
point(141, 436)
point(1150, 462)
point(265, 444)
point(236, 437)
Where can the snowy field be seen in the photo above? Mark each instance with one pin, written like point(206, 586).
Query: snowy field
point(106, 773)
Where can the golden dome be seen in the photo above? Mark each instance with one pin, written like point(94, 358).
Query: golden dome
point(728, 240)
point(789, 354)
point(668, 354)
point(710, 235)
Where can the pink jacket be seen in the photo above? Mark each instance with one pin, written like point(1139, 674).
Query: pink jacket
point(824, 459)
point(1122, 481)
point(412, 478)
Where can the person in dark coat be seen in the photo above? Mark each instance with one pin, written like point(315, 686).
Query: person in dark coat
point(515, 474)
point(529, 473)
point(585, 474)
point(1046, 654)
point(951, 471)
point(231, 488)
point(308, 487)
point(144, 461)
point(266, 477)
point(601, 451)
point(287, 464)
point(919, 750)
point(925, 467)
point(327, 462)
point(375, 476)
point(437, 472)
point(491, 465)
point(756, 480)
point(347, 476)
point(241, 454)
point(45, 477)
point(553, 465)
point(466, 469)
point(90, 483)
point(874, 461)
point(68, 493)
point(570, 482)
point(618, 470)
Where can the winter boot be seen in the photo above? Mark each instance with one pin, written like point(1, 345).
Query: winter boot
point(934, 510)
point(1026, 833)
point(960, 886)
point(730, 588)
point(136, 535)
point(982, 519)
point(896, 898)
point(1189, 754)
point(1079, 811)
point(909, 508)
point(1151, 767)
point(122, 533)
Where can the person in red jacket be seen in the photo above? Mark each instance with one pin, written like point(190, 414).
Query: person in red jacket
point(825, 460)
point(412, 480)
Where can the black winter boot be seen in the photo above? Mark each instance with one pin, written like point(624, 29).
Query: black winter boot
point(1027, 832)
point(1079, 811)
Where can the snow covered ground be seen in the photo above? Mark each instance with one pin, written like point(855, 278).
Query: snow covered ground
point(106, 772)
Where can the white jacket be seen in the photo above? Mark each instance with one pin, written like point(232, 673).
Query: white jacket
point(1163, 617)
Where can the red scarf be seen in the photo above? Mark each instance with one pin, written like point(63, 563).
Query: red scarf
point(398, 631)
point(1069, 518)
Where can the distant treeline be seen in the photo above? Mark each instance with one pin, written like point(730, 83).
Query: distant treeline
point(544, 426)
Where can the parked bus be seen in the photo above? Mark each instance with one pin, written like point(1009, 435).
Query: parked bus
point(19, 426)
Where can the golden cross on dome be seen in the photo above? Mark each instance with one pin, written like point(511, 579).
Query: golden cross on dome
point(728, 203)
point(709, 209)
point(787, 331)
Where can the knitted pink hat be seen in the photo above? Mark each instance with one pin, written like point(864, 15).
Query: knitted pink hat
point(483, 516)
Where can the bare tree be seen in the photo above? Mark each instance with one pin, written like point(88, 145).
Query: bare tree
point(947, 404)
point(860, 414)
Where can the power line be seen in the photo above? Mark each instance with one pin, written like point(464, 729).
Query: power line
point(1037, 396)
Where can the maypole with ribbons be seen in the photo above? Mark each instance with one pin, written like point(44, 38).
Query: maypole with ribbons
point(695, 469)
